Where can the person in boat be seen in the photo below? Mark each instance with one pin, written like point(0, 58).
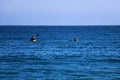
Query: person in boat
point(75, 39)
point(33, 38)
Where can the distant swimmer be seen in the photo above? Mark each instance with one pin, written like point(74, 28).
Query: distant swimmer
point(75, 39)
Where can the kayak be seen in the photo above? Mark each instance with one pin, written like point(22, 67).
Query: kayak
point(33, 40)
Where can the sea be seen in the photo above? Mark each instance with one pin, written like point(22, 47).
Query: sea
point(56, 56)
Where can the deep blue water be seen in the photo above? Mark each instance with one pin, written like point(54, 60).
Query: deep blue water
point(55, 56)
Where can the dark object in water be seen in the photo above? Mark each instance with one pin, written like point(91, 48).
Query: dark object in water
point(75, 39)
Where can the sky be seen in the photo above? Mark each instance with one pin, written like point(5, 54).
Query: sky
point(59, 12)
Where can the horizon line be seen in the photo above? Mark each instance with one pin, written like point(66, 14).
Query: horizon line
point(60, 25)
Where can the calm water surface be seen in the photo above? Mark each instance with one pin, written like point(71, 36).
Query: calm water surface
point(55, 56)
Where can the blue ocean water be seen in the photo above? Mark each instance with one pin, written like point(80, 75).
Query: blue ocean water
point(55, 56)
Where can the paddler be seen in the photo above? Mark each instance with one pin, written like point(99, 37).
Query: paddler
point(33, 38)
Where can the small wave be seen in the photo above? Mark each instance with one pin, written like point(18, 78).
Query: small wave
point(114, 60)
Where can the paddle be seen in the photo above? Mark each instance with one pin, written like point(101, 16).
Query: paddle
point(37, 35)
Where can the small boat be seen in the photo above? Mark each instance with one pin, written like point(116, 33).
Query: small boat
point(33, 40)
